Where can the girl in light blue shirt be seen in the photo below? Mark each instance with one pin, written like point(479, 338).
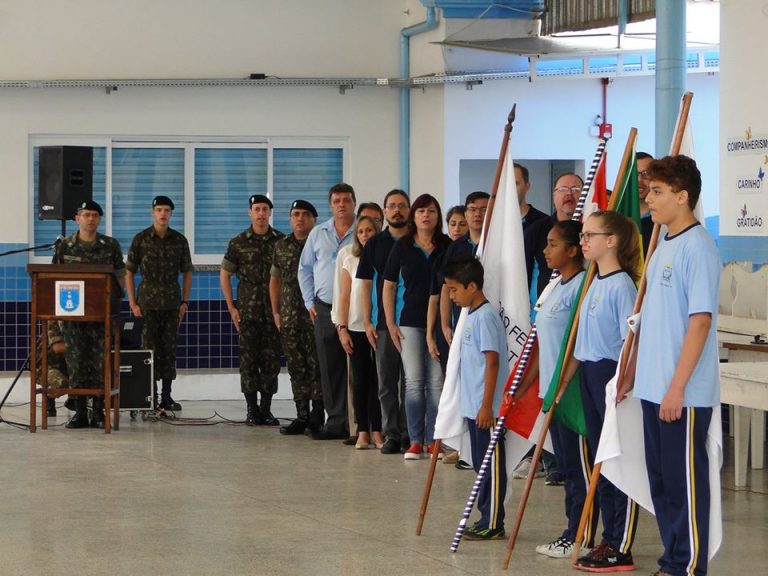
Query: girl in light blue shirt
point(612, 242)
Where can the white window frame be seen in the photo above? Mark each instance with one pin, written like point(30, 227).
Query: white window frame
point(189, 144)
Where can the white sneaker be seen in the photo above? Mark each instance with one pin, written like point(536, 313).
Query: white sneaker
point(560, 548)
point(521, 470)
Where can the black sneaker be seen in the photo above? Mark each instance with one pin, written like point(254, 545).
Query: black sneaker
point(391, 446)
point(462, 465)
point(554, 478)
point(475, 533)
point(605, 558)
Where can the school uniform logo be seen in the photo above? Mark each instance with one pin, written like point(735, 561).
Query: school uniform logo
point(593, 305)
point(666, 275)
point(467, 337)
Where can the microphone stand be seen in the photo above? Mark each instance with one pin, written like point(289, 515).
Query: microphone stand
point(25, 365)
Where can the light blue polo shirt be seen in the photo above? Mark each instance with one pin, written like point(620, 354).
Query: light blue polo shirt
point(603, 317)
point(483, 332)
point(551, 323)
point(683, 279)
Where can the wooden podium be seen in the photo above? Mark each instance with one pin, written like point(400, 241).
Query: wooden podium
point(96, 298)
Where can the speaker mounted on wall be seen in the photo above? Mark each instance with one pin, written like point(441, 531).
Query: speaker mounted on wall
point(65, 179)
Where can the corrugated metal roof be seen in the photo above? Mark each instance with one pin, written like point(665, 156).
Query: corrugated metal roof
point(574, 15)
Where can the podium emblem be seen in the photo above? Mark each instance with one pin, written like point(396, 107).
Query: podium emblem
point(70, 298)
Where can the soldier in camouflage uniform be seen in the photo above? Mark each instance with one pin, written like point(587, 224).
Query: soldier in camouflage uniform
point(160, 253)
point(249, 257)
point(295, 325)
point(57, 364)
point(84, 341)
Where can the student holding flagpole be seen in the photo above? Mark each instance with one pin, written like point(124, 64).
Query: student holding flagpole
point(612, 242)
point(553, 314)
point(677, 376)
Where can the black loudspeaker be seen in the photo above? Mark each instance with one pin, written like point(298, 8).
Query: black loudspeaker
point(65, 180)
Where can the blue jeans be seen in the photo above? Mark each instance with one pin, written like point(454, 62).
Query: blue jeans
point(423, 385)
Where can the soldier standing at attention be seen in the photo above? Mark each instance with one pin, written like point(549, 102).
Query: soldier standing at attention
point(294, 324)
point(249, 257)
point(84, 341)
point(160, 253)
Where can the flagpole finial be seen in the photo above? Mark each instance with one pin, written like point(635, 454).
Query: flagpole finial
point(511, 118)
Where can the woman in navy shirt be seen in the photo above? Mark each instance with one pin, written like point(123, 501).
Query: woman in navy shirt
point(410, 262)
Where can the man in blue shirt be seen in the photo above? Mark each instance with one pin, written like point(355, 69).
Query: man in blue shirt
point(317, 268)
point(388, 362)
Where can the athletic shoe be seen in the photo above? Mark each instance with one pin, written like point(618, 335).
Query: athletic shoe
point(475, 533)
point(451, 458)
point(605, 558)
point(554, 478)
point(521, 471)
point(390, 447)
point(415, 452)
point(431, 448)
point(560, 548)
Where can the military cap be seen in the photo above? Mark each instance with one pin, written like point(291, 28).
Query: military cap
point(163, 201)
point(304, 205)
point(91, 205)
point(259, 199)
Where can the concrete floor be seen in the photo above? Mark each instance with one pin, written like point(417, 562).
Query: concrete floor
point(155, 498)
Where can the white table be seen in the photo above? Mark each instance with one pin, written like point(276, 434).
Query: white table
point(744, 384)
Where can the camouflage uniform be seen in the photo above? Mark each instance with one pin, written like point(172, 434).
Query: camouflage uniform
point(85, 340)
point(249, 257)
point(57, 364)
point(296, 330)
point(160, 261)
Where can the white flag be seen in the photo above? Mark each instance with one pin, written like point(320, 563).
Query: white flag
point(505, 287)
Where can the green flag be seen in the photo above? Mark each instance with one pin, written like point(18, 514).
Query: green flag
point(570, 410)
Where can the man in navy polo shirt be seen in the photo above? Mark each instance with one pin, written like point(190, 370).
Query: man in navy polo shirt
point(317, 268)
point(388, 364)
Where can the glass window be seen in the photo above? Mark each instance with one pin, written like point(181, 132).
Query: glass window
point(306, 174)
point(224, 180)
point(138, 175)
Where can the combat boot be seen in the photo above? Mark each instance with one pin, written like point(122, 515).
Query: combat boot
point(50, 407)
point(80, 419)
point(166, 402)
point(266, 410)
point(97, 412)
point(316, 418)
point(302, 420)
point(253, 416)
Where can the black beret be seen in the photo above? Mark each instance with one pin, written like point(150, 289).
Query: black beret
point(91, 205)
point(163, 201)
point(304, 205)
point(259, 199)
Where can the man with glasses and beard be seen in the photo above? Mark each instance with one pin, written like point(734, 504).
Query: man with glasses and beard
point(388, 363)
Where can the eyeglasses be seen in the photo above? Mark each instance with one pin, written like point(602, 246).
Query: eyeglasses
point(588, 235)
point(477, 209)
point(566, 189)
point(400, 206)
point(644, 174)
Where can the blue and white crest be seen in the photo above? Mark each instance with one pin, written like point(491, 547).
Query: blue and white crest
point(70, 298)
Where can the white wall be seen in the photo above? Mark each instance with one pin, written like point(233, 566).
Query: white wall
point(553, 119)
point(199, 38)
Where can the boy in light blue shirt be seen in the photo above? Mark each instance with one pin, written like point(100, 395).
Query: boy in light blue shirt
point(677, 375)
point(482, 367)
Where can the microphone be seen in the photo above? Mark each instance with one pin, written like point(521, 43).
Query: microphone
point(59, 240)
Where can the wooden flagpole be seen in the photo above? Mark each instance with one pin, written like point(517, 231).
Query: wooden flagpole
point(530, 341)
point(562, 384)
point(486, 225)
point(625, 380)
